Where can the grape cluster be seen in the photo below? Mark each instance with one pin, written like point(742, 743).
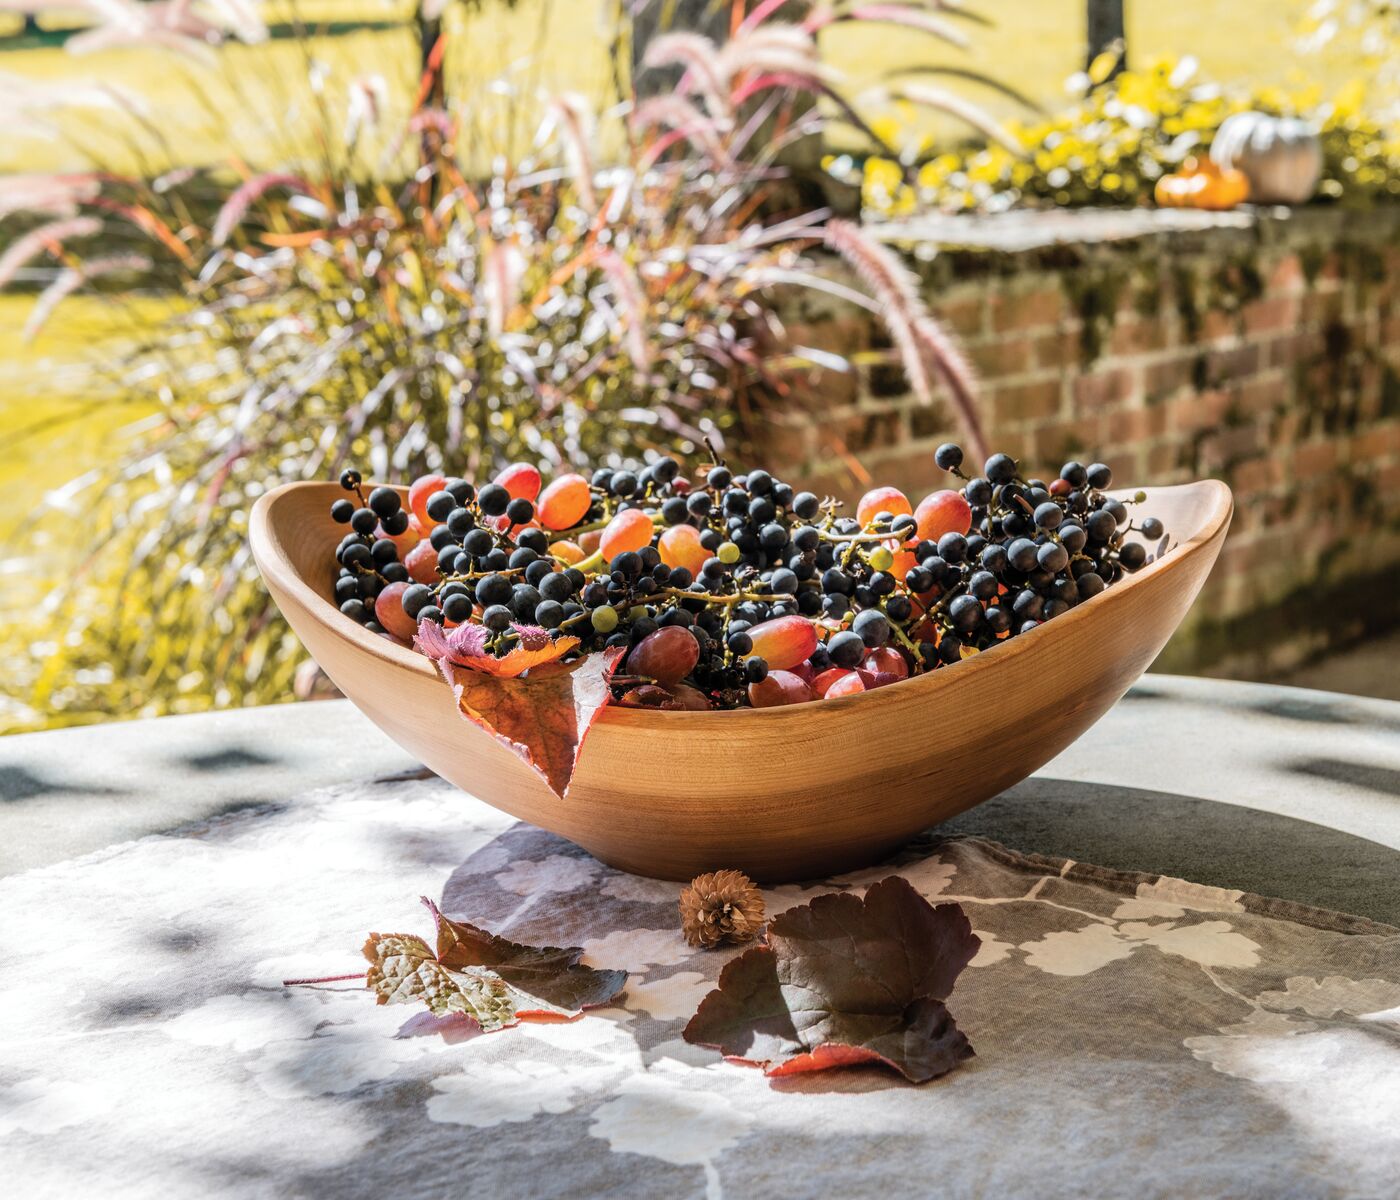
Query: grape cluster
point(733, 589)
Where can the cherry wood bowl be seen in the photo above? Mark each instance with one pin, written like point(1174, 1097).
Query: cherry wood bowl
point(780, 793)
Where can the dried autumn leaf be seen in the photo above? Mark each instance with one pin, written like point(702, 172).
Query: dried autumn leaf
point(549, 978)
point(403, 968)
point(494, 981)
point(465, 646)
point(845, 980)
point(542, 717)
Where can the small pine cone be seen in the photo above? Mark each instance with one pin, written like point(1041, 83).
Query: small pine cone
point(723, 906)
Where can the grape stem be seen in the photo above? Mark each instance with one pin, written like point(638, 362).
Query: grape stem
point(736, 598)
point(904, 637)
point(591, 563)
point(360, 975)
point(467, 576)
point(887, 536)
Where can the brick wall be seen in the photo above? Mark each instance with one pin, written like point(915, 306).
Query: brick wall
point(1262, 350)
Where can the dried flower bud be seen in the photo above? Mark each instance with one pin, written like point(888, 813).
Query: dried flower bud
point(723, 906)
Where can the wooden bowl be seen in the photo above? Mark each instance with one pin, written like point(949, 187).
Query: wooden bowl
point(780, 793)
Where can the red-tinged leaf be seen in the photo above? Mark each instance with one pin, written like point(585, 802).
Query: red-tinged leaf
point(543, 717)
point(846, 980)
point(929, 1044)
point(548, 980)
point(465, 646)
point(490, 980)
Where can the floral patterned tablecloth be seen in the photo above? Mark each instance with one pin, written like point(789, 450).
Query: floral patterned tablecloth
point(1135, 1036)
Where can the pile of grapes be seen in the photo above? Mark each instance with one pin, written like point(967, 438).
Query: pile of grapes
point(731, 590)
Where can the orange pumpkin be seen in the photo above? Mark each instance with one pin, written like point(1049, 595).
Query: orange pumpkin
point(1202, 183)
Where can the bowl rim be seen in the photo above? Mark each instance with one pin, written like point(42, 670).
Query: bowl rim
point(276, 567)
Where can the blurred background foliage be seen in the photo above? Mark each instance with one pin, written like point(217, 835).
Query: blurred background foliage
point(132, 447)
point(1119, 135)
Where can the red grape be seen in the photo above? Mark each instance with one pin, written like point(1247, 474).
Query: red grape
point(521, 480)
point(668, 655)
point(823, 681)
point(849, 684)
point(388, 611)
point(692, 698)
point(882, 499)
point(422, 563)
point(943, 512)
point(888, 660)
point(780, 687)
point(564, 502)
point(420, 491)
point(680, 547)
point(784, 642)
point(631, 529)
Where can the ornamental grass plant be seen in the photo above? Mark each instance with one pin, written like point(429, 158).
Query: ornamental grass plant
point(386, 300)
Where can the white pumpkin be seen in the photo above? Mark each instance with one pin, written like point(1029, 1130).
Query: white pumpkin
point(1281, 156)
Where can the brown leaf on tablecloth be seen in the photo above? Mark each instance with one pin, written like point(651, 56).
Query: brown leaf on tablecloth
point(549, 978)
point(544, 716)
point(846, 980)
point(494, 981)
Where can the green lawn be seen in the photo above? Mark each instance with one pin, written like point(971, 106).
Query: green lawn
point(253, 102)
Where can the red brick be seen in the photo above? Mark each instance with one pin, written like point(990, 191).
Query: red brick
point(1027, 401)
point(1164, 464)
point(1262, 394)
point(1198, 410)
point(1320, 308)
point(1103, 388)
point(1272, 314)
point(1377, 443)
point(1138, 336)
point(966, 318)
point(1315, 458)
point(1164, 377)
point(1286, 275)
point(1227, 366)
point(1217, 324)
point(1256, 475)
point(1027, 310)
point(1000, 357)
point(1058, 350)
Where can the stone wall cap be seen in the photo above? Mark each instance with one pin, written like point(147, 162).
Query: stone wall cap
point(1036, 229)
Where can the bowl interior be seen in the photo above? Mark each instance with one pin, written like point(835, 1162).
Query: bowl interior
point(293, 535)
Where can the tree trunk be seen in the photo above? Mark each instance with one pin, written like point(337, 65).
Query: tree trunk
point(1105, 26)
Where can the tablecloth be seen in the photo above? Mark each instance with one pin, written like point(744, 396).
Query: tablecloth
point(1134, 1036)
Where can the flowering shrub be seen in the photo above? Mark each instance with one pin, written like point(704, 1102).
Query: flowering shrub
point(1121, 136)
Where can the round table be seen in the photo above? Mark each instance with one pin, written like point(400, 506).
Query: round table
point(1147, 1020)
point(1278, 791)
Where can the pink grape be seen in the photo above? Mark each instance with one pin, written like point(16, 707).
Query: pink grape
point(887, 660)
point(882, 499)
point(388, 611)
point(680, 547)
point(631, 529)
point(422, 563)
point(784, 642)
point(780, 687)
point(420, 491)
point(849, 684)
point(564, 502)
point(521, 480)
point(943, 512)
